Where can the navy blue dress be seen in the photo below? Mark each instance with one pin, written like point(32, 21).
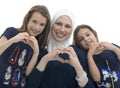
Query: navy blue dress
point(13, 62)
point(58, 75)
point(109, 67)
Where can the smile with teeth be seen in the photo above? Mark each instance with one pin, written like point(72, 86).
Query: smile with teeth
point(59, 34)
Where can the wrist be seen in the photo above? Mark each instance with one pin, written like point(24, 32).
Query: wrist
point(41, 65)
point(82, 77)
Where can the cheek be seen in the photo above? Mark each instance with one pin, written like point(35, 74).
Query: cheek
point(55, 28)
point(82, 44)
point(29, 25)
point(41, 30)
point(68, 32)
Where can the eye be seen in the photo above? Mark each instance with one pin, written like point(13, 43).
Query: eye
point(88, 34)
point(68, 26)
point(58, 23)
point(34, 21)
point(43, 25)
point(80, 39)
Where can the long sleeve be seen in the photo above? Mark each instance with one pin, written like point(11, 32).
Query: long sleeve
point(34, 79)
point(83, 61)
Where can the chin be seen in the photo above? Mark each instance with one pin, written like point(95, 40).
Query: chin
point(33, 35)
point(59, 40)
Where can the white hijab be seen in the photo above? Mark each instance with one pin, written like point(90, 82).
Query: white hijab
point(52, 43)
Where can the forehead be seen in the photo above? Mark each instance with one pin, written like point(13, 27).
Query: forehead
point(83, 31)
point(65, 19)
point(36, 13)
point(38, 16)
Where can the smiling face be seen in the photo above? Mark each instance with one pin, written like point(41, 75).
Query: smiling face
point(86, 38)
point(36, 24)
point(62, 28)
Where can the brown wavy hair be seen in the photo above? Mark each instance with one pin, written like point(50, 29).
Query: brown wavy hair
point(42, 38)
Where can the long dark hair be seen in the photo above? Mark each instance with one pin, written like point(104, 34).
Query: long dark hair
point(77, 29)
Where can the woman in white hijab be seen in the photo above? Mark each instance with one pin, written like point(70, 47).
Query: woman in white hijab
point(53, 71)
point(69, 24)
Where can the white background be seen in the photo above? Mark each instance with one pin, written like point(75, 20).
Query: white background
point(102, 15)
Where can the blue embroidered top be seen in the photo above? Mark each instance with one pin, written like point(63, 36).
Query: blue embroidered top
point(109, 67)
point(13, 62)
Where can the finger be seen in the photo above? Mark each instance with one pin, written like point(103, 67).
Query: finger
point(67, 61)
point(61, 60)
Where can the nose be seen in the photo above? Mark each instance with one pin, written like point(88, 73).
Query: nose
point(62, 28)
point(85, 38)
point(37, 27)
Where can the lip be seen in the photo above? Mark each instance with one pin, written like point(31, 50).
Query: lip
point(34, 32)
point(89, 44)
point(60, 35)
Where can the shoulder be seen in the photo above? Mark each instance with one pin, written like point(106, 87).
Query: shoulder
point(10, 32)
point(42, 52)
point(79, 51)
point(116, 45)
point(11, 29)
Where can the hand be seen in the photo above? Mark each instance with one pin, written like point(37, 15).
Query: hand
point(21, 37)
point(94, 49)
point(73, 59)
point(32, 41)
point(106, 45)
point(53, 55)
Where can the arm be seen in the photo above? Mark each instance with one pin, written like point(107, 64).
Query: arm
point(35, 78)
point(53, 55)
point(5, 43)
point(94, 71)
point(117, 51)
point(73, 60)
point(81, 76)
point(34, 44)
point(109, 46)
point(31, 64)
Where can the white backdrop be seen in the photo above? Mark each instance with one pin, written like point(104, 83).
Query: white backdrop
point(102, 15)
